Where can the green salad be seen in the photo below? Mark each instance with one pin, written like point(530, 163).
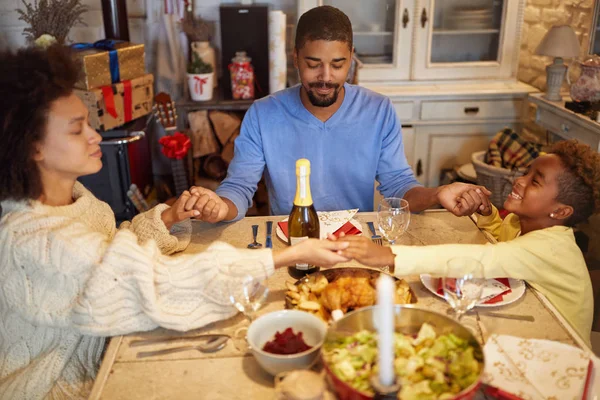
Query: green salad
point(429, 366)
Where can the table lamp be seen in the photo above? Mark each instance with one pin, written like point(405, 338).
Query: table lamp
point(560, 41)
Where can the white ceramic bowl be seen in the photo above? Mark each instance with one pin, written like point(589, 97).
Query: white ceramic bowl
point(263, 329)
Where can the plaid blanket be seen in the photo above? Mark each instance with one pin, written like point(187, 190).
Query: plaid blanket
point(510, 151)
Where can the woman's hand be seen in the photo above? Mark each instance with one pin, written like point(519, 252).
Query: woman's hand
point(182, 209)
point(324, 253)
point(363, 250)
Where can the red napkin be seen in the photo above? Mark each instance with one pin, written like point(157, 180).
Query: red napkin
point(347, 229)
point(496, 299)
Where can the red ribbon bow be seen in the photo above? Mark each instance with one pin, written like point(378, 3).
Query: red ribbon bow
point(175, 146)
point(199, 83)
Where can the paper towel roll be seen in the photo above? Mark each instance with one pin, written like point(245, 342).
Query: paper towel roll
point(277, 56)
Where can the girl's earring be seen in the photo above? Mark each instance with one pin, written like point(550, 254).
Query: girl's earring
point(551, 215)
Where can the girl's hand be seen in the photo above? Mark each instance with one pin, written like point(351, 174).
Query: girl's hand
point(476, 200)
point(363, 250)
point(182, 209)
point(323, 253)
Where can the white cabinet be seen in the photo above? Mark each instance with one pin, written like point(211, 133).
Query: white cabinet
point(425, 40)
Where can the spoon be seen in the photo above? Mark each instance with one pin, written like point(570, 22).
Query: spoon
point(255, 244)
point(211, 346)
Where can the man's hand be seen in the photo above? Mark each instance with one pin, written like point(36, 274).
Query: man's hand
point(211, 208)
point(462, 199)
point(323, 253)
point(363, 250)
point(182, 209)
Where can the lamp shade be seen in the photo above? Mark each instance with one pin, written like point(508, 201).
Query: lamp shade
point(560, 41)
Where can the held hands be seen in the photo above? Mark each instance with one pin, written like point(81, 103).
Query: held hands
point(211, 208)
point(463, 199)
point(323, 253)
point(182, 209)
point(363, 250)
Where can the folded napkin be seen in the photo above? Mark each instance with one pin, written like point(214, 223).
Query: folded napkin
point(493, 291)
point(334, 222)
point(537, 369)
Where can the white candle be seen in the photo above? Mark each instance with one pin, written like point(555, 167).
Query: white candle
point(385, 329)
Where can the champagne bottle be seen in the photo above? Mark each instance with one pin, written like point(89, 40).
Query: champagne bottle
point(303, 222)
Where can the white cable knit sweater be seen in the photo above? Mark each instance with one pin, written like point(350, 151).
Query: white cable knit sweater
point(68, 278)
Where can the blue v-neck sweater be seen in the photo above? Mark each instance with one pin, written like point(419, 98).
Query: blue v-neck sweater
point(361, 142)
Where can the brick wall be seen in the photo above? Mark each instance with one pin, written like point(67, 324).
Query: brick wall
point(540, 16)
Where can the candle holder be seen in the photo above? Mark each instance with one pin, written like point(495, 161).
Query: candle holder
point(383, 392)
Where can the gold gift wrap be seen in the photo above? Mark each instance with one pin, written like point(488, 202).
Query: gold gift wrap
point(96, 65)
point(101, 118)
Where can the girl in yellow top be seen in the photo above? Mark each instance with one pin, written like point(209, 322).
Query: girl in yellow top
point(536, 241)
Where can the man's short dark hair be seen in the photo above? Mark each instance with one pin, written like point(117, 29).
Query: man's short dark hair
point(31, 79)
point(324, 23)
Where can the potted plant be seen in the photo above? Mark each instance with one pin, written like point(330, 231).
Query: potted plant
point(200, 79)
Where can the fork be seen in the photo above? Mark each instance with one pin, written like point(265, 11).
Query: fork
point(210, 347)
point(375, 238)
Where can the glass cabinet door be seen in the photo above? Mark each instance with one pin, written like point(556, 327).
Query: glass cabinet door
point(373, 28)
point(382, 35)
point(463, 38)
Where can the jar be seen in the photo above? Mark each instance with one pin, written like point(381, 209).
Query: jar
point(587, 86)
point(242, 77)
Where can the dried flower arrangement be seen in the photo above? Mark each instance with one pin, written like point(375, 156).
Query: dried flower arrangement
point(51, 17)
point(195, 28)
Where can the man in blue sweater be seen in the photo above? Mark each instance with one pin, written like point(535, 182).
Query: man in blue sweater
point(350, 134)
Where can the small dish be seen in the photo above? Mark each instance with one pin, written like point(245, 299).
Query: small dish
point(263, 329)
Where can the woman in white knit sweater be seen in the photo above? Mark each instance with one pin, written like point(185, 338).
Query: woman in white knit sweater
point(68, 277)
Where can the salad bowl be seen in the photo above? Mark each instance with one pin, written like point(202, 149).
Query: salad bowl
point(355, 331)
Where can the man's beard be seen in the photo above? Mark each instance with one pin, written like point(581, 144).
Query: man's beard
point(320, 101)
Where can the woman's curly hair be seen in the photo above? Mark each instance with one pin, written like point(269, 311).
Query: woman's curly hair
point(31, 79)
point(579, 186)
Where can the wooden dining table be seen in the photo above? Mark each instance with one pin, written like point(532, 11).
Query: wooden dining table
point(232, 374)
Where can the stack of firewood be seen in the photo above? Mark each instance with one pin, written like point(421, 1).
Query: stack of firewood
point(213, 134)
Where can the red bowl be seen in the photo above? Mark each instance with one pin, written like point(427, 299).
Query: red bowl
point(408, 321)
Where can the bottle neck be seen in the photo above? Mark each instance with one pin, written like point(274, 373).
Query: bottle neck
point(303, 196)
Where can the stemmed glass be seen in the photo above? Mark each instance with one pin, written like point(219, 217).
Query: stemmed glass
point(463, 284)
point(248, 290)
point(393, 217)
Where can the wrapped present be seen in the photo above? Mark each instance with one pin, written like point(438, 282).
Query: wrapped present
point(106, 62)
point(114, 105)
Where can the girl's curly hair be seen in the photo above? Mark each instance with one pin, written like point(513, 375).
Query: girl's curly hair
point(32, 79)
point(579, 186)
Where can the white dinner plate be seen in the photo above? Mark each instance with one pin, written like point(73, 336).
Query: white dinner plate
point(281, 236)
point(517, 288)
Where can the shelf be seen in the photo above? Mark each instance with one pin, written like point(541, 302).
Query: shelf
point(217, 103)
point(465, 31)
point(369, 33)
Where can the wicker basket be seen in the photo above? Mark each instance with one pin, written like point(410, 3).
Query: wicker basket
point(498, 180)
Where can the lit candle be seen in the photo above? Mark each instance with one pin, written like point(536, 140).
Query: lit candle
point(385, 329)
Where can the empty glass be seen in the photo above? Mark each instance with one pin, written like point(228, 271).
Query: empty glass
point(248, 291)
point(463, 284)
point(393, 217)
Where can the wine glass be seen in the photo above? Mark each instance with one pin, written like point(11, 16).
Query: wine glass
point(463, 284)
point(248, 290)
point(393, 217)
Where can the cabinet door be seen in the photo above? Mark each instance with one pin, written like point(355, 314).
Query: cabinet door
point(446, 146)
point(382, 35)
point(466, 39)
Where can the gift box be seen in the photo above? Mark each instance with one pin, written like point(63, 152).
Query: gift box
point(106, 62)
point(114, 105)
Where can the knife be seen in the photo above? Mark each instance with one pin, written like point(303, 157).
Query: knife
point(208, 337)
point(269, 242)
point(529, 318)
